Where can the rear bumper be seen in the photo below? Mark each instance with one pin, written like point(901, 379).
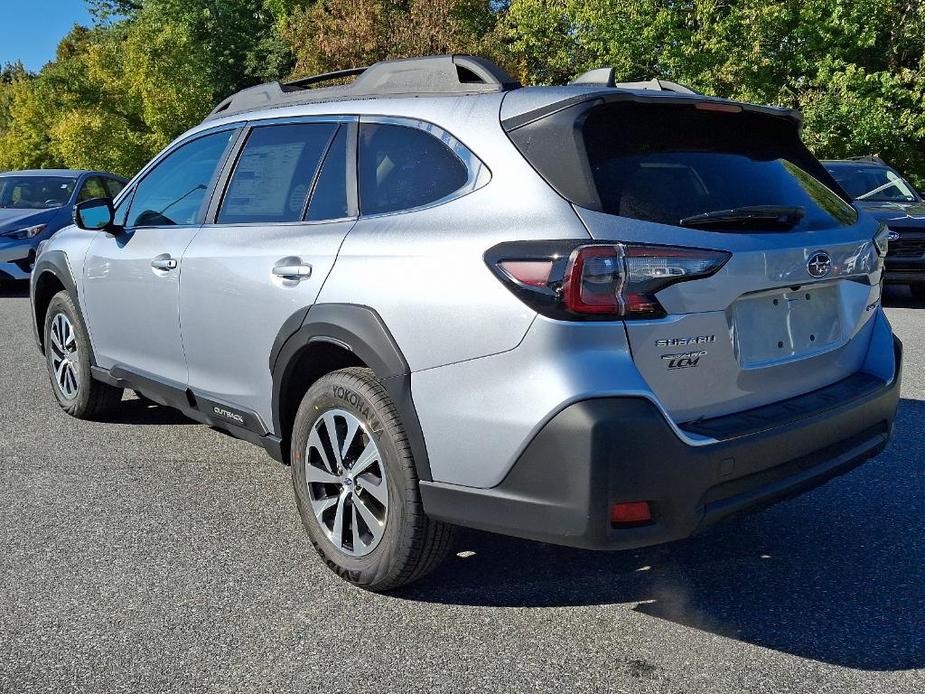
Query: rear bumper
point(608, 450)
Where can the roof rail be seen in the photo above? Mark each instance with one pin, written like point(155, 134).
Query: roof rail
point(305, 82)
point(604, 76)
point(427, 76)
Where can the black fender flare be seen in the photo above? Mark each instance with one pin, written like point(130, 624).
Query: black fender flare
point(55, 263)
point(360, 330)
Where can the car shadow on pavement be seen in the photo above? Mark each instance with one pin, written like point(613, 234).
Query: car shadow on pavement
point(136, 411)
point(14, 290)
point(837, 575)
point(895, 296)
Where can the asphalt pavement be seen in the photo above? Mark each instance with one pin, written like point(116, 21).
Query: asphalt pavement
point(151, 554)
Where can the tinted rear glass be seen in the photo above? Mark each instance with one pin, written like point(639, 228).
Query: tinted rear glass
point(329, 199)
point(664, 163)
point(401, 168)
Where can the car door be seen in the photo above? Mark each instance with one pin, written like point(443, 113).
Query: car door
point(272, 241)
point(132, 278)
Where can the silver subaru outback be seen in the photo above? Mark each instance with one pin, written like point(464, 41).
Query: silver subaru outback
point(602, 315)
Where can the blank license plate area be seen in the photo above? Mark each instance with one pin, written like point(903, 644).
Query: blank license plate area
point(787, 324)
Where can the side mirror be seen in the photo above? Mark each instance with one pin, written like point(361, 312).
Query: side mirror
point(97, 214)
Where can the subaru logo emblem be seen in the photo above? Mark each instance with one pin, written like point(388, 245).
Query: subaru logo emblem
point(819, 265)
point(893, 236)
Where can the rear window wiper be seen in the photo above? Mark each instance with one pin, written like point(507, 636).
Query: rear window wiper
point(779, 216)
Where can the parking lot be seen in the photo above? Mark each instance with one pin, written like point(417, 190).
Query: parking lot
point(150, 553)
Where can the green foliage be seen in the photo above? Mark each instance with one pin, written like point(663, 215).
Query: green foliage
point(854, 67)
point(119, 91)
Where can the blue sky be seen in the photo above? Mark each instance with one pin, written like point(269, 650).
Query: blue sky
point(31, 29)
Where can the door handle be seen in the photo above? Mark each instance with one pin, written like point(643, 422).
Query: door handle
point(164, 264)
point(293, 272)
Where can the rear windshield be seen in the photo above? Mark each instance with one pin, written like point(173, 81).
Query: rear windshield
point(668, 163)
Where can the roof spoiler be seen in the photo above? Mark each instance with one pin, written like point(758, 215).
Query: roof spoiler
point(427, 76)
point(604, 76)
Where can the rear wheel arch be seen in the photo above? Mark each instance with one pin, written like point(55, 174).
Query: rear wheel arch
point(337, 336)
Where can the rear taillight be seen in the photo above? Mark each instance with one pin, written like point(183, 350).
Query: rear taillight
point(599, 281)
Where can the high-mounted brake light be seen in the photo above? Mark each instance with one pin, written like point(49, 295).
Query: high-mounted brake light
point(713, 106)
point(599, 281)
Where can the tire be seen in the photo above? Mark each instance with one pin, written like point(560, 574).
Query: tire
point(376, 491)
point(918, 291)
point(66, 342)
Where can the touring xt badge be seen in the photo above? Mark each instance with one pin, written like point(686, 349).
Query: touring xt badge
point(687, 360)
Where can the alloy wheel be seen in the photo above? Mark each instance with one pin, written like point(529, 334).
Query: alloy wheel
point(65, 361)
point(346, 481)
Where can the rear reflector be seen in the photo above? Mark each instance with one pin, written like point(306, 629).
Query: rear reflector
point(533, 273)
point(630, 512)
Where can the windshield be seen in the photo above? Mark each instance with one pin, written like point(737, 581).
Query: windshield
point(675, 165)
point(873, 183)
point(35, 192)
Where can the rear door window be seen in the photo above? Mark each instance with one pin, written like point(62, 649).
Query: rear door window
point(329, 198)
point(274, 173)
point(402, 167)
point(671, 163)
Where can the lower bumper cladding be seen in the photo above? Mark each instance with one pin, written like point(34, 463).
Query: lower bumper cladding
point(604, 453)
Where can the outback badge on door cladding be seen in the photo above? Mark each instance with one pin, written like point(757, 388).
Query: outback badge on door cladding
point(819, 264)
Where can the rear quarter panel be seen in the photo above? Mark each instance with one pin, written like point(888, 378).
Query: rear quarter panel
point(423, 271)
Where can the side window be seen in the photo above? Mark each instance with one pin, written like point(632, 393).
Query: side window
point(92, 188)
point(329, 199)
point(274, 173)
point(173, 192)
point(403, 167)
point(121, 211)
point(114, 187)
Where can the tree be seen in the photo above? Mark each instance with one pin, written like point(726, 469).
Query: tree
point(855, 68)
point(338, 34)
point(118, 91)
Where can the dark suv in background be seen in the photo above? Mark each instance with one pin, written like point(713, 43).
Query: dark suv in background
point(36, 204)
point(883, 192)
